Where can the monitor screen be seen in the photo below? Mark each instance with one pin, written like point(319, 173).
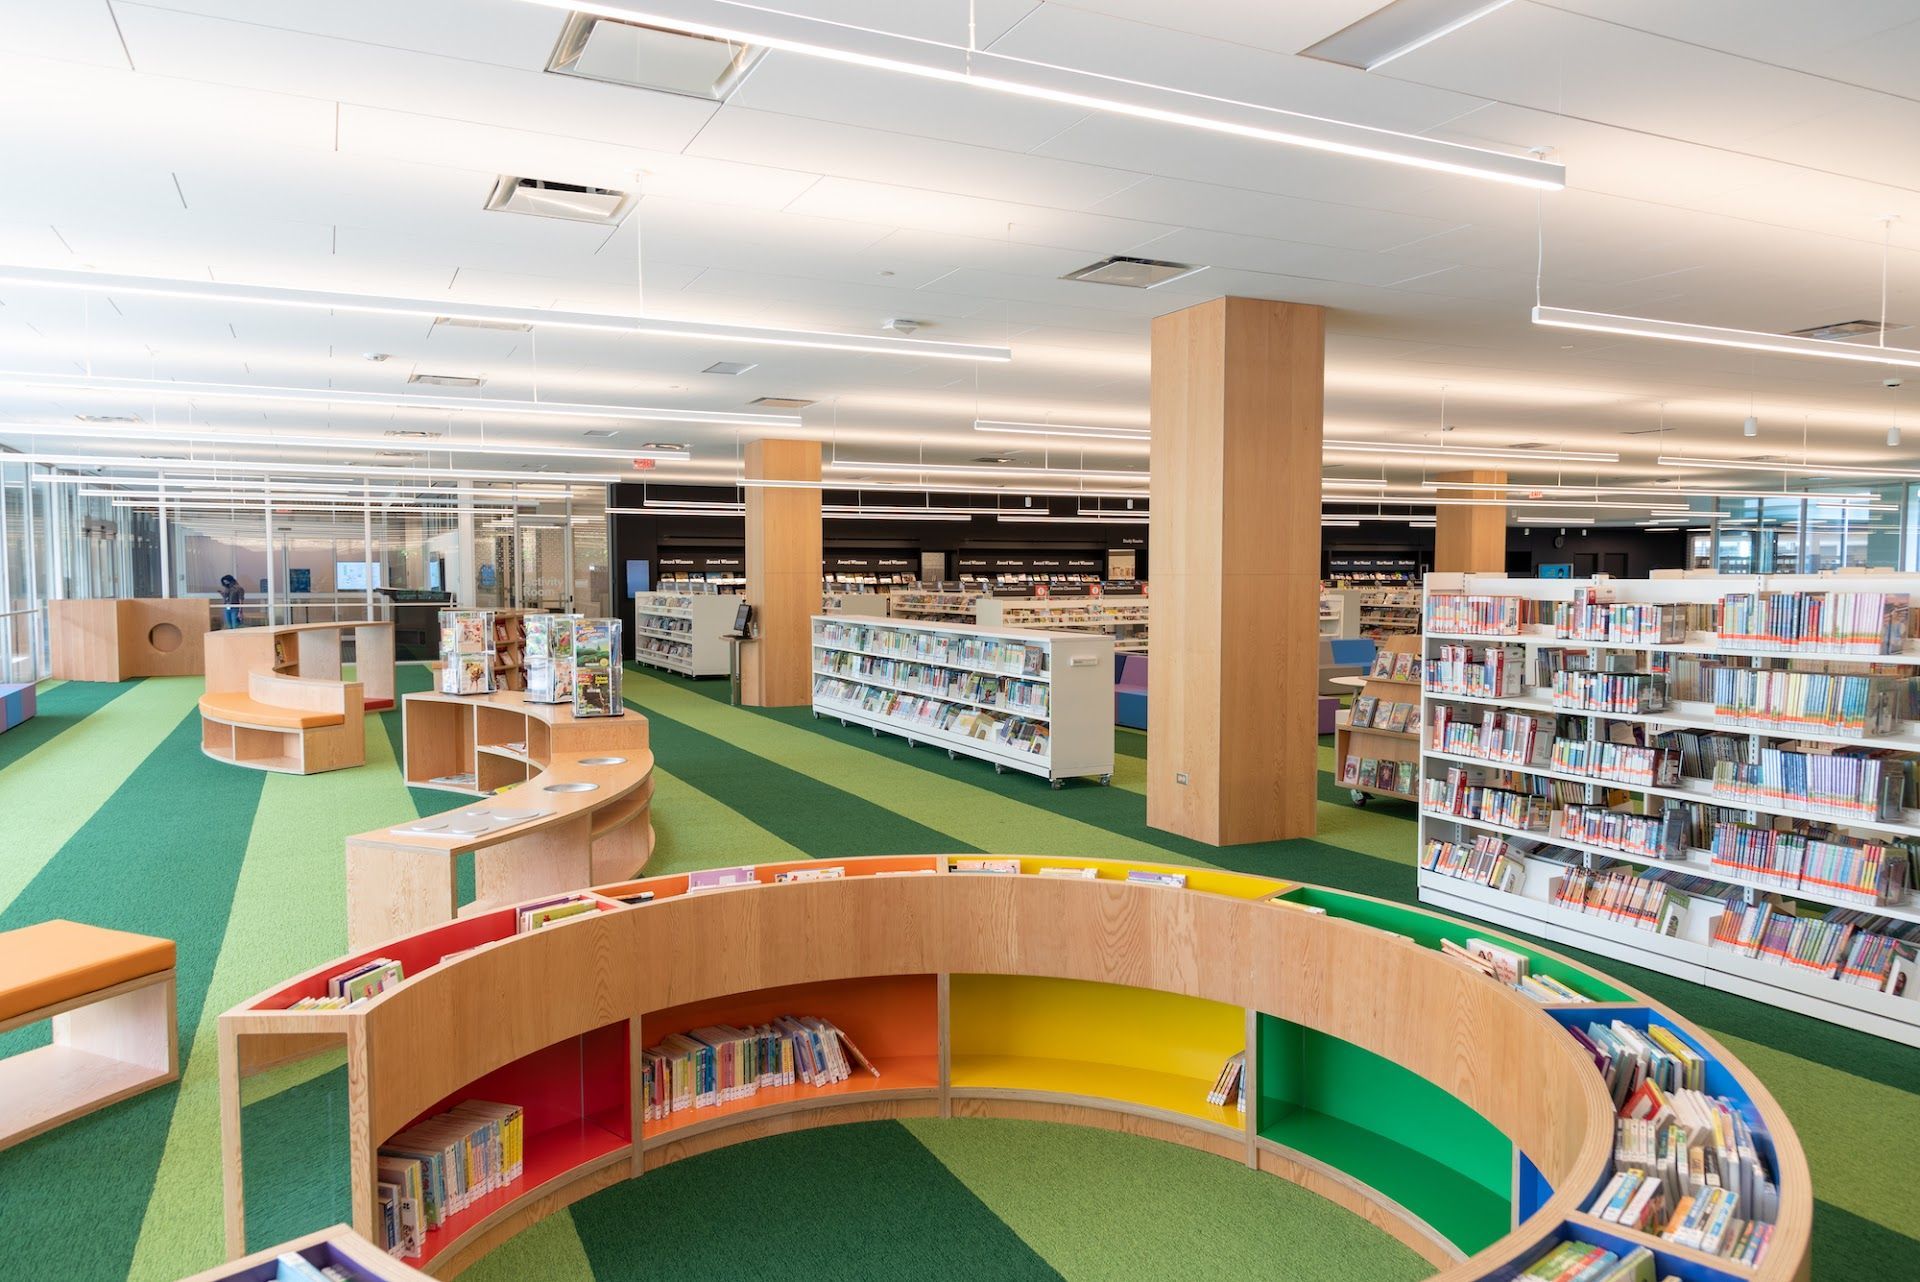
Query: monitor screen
point(351, 576)
point(639, 577)
point(742, 617)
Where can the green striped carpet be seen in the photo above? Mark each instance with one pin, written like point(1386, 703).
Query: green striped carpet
point(110, 814)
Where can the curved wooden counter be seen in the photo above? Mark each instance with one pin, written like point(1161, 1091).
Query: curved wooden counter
point(569, 1001)
point(591, 777)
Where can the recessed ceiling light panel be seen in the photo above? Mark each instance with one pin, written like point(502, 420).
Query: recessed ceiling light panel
point(1396, 29)
point(730, 369)
point(780, 402)
point(1131, 273)
point(648, 57)
point(447, 380)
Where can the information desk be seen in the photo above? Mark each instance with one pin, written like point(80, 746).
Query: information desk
point(310, 650)
point(577, 810)
point(118, 640)
point(1444, 1107)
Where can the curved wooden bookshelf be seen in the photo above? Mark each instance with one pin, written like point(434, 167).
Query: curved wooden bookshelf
point(593, 776)
point(1111, 1004)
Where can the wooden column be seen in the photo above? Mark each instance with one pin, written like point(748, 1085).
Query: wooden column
point(1235, 537)
point(1471, 539)
point(783, 573)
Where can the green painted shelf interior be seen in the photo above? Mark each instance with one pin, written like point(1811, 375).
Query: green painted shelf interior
point(1389, 1128)
point(1429, 928)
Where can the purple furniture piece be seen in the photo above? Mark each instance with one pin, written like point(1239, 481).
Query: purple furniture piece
point(16, 705)
point(1130, 690)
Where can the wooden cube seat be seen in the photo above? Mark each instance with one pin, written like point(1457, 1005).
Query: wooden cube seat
point(236, 708)
point(110, 996)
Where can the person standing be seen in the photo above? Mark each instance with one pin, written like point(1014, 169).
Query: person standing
point(233, 594)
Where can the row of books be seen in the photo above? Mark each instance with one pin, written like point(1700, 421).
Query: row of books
point(1486, 862)
point(1832, 946)
point(1629, 692)
point(1490, 672)
point(1814, 702)
point(1575, 1261)
point(1843, 784)
point(716, 1065)
point(1586, 618)
point(1011, 868)
point(1509, 738)
point(1016, 658)
point(1834, 869)
point(1369, 712)
point(293, 1267)
point(1011, 693)
point(1612, 762)
point(1655, 836)
point(1459, 794)
point(1230, 1087)
point(351, 987)
point(1486, 616)
point(1853, 622)
point(1383, 773)
point(1512, 969)
point(1009, 730)
point(1642, 902)
point(438, 1168)
point(1395, 665)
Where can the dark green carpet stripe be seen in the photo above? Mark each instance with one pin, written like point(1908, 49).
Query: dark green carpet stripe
point(1130, 743)
point(1846, 1245)
point(849, 1203)
point(296, 1156)
point(814, 815)
point(161, 857)
point(59, 710)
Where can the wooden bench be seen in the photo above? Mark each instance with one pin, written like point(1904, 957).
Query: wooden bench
point(110, 996)
point(295, 725)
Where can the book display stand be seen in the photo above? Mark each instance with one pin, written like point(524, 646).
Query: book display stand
point(1381, 1071)
point(1038, 702)
point(947, 607)
point(1710, 776)
point(467, 654)
point(1124, 618)
point(1376, 742)
point(597, 670)
point(549, 640)
point(682, 631)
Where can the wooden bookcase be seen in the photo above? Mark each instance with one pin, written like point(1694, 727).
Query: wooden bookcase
point(1355, 744)
point(1075, 673)
point(1688, 952)
point(1384, 1075)
point(682, 632)
point(311, 650)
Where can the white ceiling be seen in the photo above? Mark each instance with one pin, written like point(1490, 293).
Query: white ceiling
point(1729, 163)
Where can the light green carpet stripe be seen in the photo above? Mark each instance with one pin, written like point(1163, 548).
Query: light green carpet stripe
point(693, 830)
point(982, 819)
point(51, 792)
point(1843, 1122)
point(550, 1251)
point(295, 858)
point(1095, 1204)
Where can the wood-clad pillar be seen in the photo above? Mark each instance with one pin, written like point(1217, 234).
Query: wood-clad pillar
point(783, 572)
point(1471, 539)
point(1232, 716)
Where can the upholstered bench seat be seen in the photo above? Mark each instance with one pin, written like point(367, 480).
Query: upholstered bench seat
point(237, 708)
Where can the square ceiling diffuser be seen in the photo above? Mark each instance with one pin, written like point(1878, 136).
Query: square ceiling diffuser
point(649, 57)
point(1131, 273)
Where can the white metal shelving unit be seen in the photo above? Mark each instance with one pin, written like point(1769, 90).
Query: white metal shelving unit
point(1688, 954)
point(886, 660)
point(1124, 618)
point(1339, 614)
point(681, 631)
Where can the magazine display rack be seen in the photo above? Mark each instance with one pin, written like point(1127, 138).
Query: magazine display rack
point(467, 654)
point(549, 653)
point(597, 669)
point(1424, 1094)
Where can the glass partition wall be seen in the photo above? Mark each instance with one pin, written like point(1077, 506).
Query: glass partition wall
point(297, 559)
point(1806, 531)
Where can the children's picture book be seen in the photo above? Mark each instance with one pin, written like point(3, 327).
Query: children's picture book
point(1405, 666)
point(1382, 664)
point(1363, 708)
point(1369, 773)
point(1397, 716)
point(1350, 771)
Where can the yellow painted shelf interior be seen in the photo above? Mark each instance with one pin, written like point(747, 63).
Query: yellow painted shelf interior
point(1074, 1037)
point(1212, 880)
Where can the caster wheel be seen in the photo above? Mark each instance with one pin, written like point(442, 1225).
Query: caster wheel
point(1106, 781)
point(952, 755)
point(999, 769)
point(1359, 798)
point(1058, 784)
point(876, 733)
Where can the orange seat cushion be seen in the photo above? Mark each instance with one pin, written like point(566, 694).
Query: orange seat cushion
point(237, 706)
point(57, 961)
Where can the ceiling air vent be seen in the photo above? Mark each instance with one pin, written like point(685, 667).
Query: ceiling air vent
point(729, 368)
point(475, 322)
point(600, 433)
point(446, 380)
point(648, 57)
point(395, 453)
point(544, 199)
point(1852, 331)
point(411, 433)
point(1131, 273)
point(107, 418)
point(780, 402)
